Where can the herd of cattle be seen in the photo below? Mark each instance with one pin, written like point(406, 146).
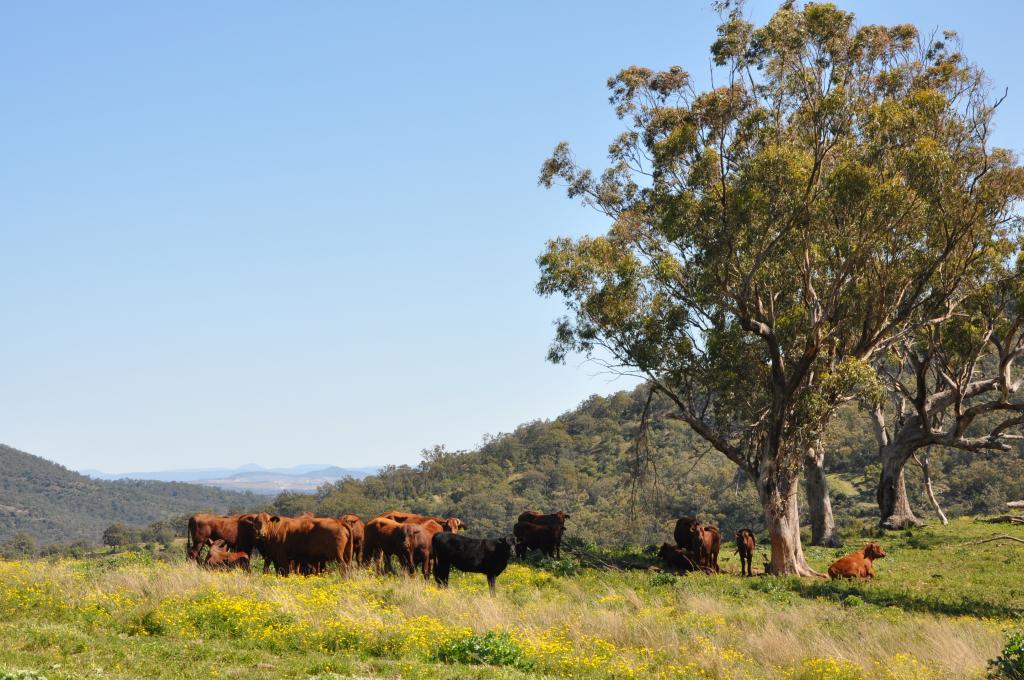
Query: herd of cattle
point(308, 544)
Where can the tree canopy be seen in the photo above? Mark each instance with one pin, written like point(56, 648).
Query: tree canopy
point(776, 235)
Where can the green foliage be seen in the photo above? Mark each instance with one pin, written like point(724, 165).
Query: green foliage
point(771, 238)
point(57, 505)
point(494, 648)
point(1010, 663)
point(18, 546)
point(118, 534)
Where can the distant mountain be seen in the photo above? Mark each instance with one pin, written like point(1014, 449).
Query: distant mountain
point(249, 477)
point(57, 505)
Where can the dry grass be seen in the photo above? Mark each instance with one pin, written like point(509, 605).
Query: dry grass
point(595, 624)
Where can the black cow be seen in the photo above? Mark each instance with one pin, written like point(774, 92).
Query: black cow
point(478, 555)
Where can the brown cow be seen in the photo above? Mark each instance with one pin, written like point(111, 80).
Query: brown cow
point(222, 557)
point(555, 520)
point(306, 543)
point(202, 527)
point(530, 536)
point(677, 558)
point(709, 543)
point(858, 563)
point(685, 536)
point(358, 529)
point(745, 545)
point(452, 524)
point(385, 538)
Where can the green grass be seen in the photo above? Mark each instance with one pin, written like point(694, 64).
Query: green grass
point(938, 608)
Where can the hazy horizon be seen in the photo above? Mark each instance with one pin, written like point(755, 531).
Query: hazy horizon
point(271, 233)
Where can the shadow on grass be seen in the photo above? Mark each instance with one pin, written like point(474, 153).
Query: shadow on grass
point(843, 592)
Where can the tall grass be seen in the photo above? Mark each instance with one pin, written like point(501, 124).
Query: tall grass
point(130, 616)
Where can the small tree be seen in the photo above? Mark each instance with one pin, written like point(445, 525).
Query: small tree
point(773, 237)
point(19, 546)
point(118, 534)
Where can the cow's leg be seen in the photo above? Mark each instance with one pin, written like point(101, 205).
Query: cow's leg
point(441, 570)
point(490, 584)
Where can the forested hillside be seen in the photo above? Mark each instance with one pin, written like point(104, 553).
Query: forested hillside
point(584, 462)
point(55, 504)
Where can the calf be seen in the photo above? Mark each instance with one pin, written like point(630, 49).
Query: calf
point(857, 564)
point(745, 545)
point(531, 536)
point(222, 557)
point(677, 558)
point(709, 543)
point(487, 556)
point(234, 530)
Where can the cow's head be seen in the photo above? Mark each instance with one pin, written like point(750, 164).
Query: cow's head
point(562, 516)
point(503, 547)
point(666, 552)
point(697, 531)
point(261, 523)
point(453, 525)
point(873, 551)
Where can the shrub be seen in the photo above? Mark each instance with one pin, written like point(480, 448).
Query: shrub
point(1009, 664)
point(662, 579)
point(495, 648)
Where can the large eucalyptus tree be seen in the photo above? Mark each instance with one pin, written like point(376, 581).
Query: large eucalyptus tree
point(774, 237)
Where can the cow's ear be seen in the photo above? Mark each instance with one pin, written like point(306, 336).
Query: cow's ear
point(275, 518)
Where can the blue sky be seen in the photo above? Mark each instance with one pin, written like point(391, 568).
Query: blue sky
point(306, 232)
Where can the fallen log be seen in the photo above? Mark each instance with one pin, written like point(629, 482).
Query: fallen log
point(1016, 504)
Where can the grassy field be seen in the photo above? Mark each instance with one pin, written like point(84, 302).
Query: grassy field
point(938, 609)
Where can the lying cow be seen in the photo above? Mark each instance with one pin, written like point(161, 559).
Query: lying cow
point(857, 564)
point(745, 545)
point(529, 536)
point(222, 557)
point(487, 556)
point(677, 558)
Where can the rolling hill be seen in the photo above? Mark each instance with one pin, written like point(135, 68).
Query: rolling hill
point(55, 504)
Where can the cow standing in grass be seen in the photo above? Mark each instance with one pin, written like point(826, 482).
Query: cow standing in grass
point(745, 545)
point(488, 556)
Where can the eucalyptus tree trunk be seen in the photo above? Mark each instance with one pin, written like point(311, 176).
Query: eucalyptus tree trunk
point(893, 503)
point(778, 489)
point(819, 503)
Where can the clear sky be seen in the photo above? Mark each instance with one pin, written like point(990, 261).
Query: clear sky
point(286, 233)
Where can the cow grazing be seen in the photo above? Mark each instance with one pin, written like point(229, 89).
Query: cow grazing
point(221, 556)
point(358, 531)
point(857, 564)
point(236, 535)
point(487, 556)
point(309, 544)
point(555, 520)
point(677, 558)
point(541, 537)
point(745, 545)
point(685, 536)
